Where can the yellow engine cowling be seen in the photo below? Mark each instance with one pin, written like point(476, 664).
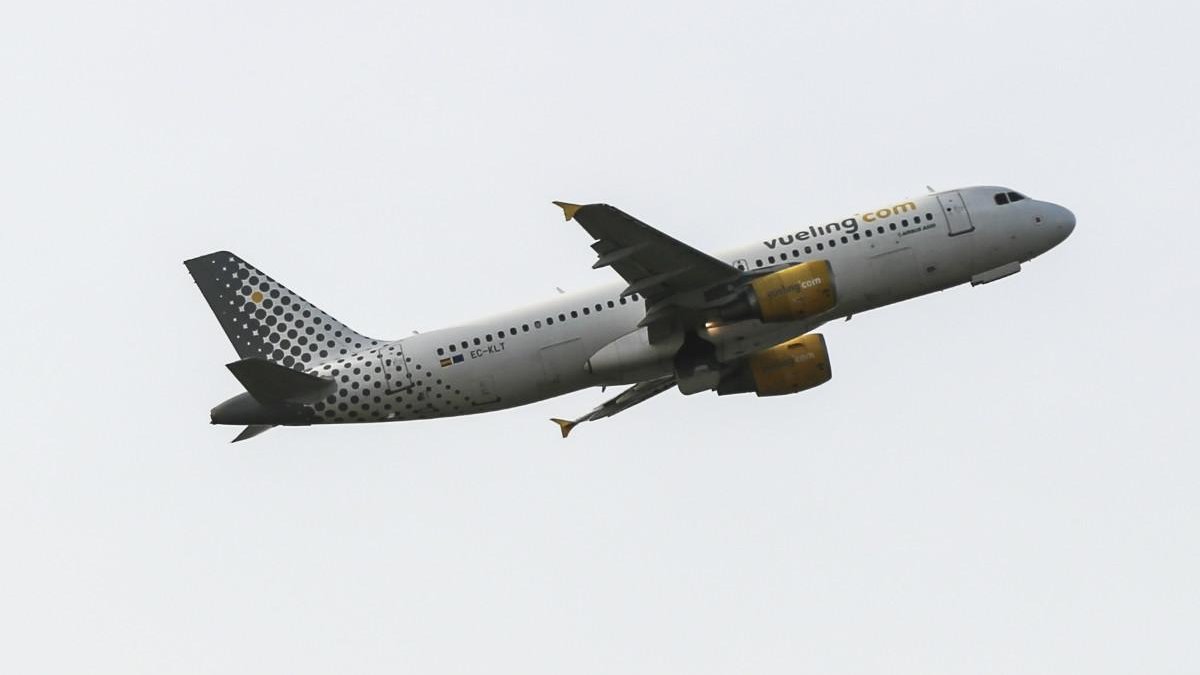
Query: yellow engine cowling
point(787, 368)
point(798, 292)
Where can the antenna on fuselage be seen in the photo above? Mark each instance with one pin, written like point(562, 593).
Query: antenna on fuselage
point(930, 188)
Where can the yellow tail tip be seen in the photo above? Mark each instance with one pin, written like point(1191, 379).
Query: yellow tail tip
point(568, 209)
point(565, 426)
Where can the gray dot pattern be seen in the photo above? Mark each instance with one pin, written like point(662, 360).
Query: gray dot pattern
point(262, 318)
point(383, 384)
point(376, 381)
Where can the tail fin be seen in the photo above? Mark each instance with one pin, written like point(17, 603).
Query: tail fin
point(266, 320)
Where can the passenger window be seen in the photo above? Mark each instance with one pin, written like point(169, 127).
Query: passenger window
point(537, 324)
point(820, 247)
point(928, 216)
point(610, 304)
point(524, 328)
point(771, 259)
point(574, 314)
point(464, 344)
point(892, 227)
point(808, 250)
point(622, 301)
point(441, 351)
point(599, 307)
point(904, 223)
point(500, 335)
point(476, 342)
point(832, 243)
point(867, 232)
point(845, 240)
point(453, 349)
point(549, 321)
point(856, 236)
point(880, 229)
point(488, 337)
point(795, 253)
point(758, 263)
point(783, 256)
point(1001, 199)
point(586, 311)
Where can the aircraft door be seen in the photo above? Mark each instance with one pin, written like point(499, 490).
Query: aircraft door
point(397, 377)
point(958, 219)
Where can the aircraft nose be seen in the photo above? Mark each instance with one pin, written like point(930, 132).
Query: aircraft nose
point(1060, 222)
point(1066, 221)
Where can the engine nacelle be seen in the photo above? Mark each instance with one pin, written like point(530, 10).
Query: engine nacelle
point(798, 292)
point(788, 368)
point(632, 358)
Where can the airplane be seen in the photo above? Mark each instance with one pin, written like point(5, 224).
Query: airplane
point(735, 323)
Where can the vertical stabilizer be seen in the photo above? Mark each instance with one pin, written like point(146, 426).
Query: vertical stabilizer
point(266, 320)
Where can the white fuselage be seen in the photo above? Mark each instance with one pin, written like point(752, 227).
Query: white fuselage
point(914, 246)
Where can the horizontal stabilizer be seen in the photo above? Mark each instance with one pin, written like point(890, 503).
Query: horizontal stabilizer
point(272, 383)
point(252, 431)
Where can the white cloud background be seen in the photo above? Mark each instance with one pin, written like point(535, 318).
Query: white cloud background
point(997, 480)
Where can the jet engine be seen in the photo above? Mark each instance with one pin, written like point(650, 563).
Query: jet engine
point(798, 292)
point(787, 368)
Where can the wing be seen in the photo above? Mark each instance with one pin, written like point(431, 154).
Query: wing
point(670, 274)
point(623, 401)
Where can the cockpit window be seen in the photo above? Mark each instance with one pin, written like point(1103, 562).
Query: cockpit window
point(1001, 198)
point(1015, 196)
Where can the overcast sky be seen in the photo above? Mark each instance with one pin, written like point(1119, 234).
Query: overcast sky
point(1000, 479)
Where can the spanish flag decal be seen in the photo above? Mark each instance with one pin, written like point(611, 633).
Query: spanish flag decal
point(451, 360)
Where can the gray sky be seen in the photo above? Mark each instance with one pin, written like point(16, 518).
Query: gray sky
point(997, 480)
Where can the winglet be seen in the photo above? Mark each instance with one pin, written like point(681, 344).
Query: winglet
point(568, 213)
point(565, 426)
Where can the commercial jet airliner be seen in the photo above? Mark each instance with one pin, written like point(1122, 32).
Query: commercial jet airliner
point(738, 322)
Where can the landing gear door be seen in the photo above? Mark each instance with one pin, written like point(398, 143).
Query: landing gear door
point(958, 219)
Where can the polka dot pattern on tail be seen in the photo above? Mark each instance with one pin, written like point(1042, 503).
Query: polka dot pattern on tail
point(262, 318)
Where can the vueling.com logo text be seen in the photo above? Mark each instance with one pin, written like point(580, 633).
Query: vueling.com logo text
point(848, 226)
